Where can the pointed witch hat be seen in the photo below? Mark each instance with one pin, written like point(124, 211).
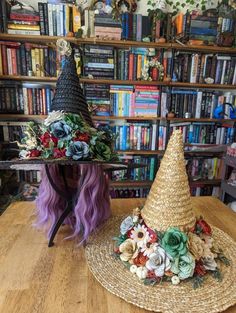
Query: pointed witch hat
point(165, 243)
point(69, 96)
point(168, 203)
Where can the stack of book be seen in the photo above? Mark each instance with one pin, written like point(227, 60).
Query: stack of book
point(99, 61)
point(205, 133)
point(26, 100)
point(106, 26)
point(28, 59)
point(195, 103)
point(137, 174)
point(129, 192)
point(136, 136)
point(205, 191)
point(98, 98)
point(203, 28)
point(135, 26)
point(23, 21)
point(195, 68)
point(3, 17)
point(205, 169)
point(12, 131)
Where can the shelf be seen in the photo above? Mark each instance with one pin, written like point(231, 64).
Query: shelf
point(229, 189)
point(29, 78)
point(119, 43)
point(130, 118)
point(211, 182)
point(130, 183)
point(140, 152)
point(119, 82)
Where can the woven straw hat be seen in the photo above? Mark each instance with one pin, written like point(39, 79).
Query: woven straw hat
point(168, 205)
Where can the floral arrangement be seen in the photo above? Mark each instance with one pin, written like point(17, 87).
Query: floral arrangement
point(168, 256)
point(150, 65)
point(66, 135)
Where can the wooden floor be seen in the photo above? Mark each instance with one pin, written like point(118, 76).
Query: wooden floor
point(38, 279)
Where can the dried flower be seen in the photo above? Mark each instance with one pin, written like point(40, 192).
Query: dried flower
point(53, 116)
point(126, 225)
point(127, 249)
point(159, 261)
point(195, 245)
point(175, 280)
point(64, 47)
point(140, 235)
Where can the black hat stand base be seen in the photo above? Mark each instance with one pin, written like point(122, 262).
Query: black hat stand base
point(66, 195)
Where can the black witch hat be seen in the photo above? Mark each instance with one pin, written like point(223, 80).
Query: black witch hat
point(69, 96)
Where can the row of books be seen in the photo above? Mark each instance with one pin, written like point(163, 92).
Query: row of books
point(197, 67)
point(25, 100)
point(10, 132)
point(28, 59)
point(140, 136)
point(99, 61)
point(137, 174)
point(205, 169)
point(134, 101)
point(143, 192)
point(129, 192)
point(205, 191)
point(28, 176)
point(205, 133)
point(195, 103)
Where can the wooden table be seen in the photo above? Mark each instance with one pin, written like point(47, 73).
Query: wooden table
point(38, 279)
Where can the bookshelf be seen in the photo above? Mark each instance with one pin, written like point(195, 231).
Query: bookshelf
point(168, 86)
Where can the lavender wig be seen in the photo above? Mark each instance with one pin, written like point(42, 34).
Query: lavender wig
point(88, 189)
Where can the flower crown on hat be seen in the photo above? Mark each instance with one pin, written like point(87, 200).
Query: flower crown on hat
point(164, 241)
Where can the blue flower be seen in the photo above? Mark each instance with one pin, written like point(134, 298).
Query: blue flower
point(61, 130)
point(78, 150)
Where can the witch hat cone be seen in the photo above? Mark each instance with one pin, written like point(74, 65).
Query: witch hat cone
point(69, 96)
point(169, 203)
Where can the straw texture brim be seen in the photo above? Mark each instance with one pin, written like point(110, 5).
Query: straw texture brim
point(211, 297)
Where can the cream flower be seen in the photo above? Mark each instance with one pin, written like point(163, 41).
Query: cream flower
point(127, 249)
point(195, 246)
point(159, 262)
point(133, 269)
point(148, 248)
point(141, 272)
point(53, 116)
point(64, 47)
point(207, 240)
point(175, 280)
point(140, 235)
point(209, 263)
point(24, 154)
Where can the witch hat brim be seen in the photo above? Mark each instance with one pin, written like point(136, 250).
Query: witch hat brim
point(156, 218)
point(211, 297)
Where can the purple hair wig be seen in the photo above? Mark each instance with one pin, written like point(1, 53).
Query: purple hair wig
point(89, 190)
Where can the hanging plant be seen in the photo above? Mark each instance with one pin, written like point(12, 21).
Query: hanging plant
point(149, 66)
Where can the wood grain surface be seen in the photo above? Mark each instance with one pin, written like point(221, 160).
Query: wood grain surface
point(38, 279)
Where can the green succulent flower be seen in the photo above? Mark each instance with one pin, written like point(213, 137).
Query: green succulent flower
point(174, 242)
point(101, 151)
point(183, 266)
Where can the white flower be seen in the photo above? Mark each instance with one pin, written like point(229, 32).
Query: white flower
point(64, 47)
point(175, 280)
point(126, 225)
point(159, 261)
point(140, 235)
point(53, 117)
point(141, 272)
point(209, 263)
point(31, 143)
point(149, 248)
point(133, 269)
point(23, 154)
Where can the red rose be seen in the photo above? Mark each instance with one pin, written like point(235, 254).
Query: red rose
point(204, 227)
point(140, 259)
point(59, 153)
point(82, 137)
point(34, 153)
point(46, 138)
point(199, 269)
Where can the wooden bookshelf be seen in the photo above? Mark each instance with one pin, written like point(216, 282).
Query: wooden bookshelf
point(147, 183)
point(120, 82)
point(119, 43)
point(128, 118)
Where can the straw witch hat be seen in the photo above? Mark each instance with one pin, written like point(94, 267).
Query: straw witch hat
point(167, 225)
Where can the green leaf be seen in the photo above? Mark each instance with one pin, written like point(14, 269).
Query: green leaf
point(203, 8)
point(183, 5)
point(150, 281)
point(60, 144)
point(217, 275)
point(197, 281)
